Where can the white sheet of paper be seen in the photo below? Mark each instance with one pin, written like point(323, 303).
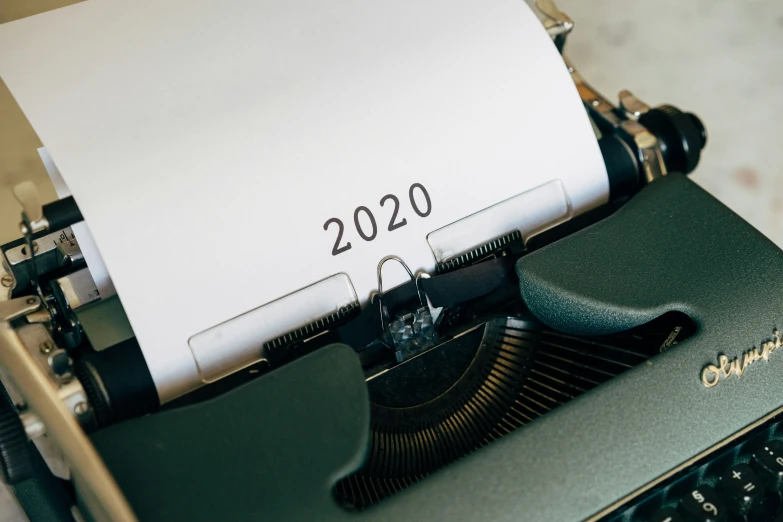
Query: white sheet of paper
point(95, 263)
point(207, 142)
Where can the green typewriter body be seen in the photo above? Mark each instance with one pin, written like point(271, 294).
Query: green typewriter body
point(625, 365)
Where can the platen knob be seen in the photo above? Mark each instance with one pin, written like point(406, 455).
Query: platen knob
point(681, 134)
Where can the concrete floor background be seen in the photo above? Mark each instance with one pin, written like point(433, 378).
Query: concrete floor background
point(721, 59)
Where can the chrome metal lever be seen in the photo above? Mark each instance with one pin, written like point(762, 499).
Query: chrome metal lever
point(556, 22)
point(93, 480)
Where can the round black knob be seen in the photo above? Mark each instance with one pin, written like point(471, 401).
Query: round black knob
point(15, 462)
point(681, 134)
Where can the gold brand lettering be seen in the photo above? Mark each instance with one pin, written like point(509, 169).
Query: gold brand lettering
point(712, 374)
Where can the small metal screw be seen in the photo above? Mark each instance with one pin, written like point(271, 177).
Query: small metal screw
point(46, 346)
point(31, 300)
point(80, 408)
point(7, 281)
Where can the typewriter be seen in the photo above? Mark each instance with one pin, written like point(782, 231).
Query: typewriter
point(621, 366)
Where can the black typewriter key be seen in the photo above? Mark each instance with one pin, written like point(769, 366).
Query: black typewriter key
point(768, 463)
point(666, 515)
point(744, 489)
point(769, 508)
point(702, 504)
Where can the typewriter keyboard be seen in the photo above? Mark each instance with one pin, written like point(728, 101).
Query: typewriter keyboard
point(742, 482)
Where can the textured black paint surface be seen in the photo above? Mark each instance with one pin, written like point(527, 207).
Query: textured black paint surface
point(268, 450)
point(272, 449)
point(672, 248)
